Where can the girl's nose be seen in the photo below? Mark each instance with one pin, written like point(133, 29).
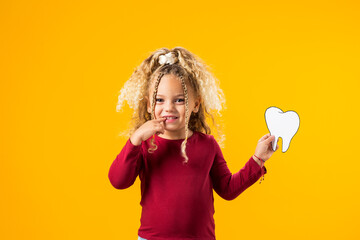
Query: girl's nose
point(169, 106)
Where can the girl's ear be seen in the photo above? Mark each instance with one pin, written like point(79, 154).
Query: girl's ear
point(197, 105)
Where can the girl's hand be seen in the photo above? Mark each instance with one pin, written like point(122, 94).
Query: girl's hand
point(264, 147)
point(146, 130)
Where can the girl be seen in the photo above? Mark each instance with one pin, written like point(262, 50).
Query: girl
point(170, 147)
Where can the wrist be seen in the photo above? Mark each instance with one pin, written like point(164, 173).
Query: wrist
point(134, 140)
point(261, 163)
point(258, 160)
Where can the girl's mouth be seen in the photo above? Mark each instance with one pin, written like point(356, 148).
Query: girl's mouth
point(170, 119)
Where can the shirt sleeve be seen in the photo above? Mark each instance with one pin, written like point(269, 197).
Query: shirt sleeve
point(228, 185)
point(126, 166)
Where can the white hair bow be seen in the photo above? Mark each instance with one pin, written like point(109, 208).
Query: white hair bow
point(167, 58)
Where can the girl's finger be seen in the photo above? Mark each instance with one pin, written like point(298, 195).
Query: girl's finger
point(270, 139)
point(160, 119)
point(264, 137)
point(160, 129)
point(261, 139)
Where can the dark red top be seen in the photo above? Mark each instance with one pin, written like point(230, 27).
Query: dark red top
point(177, 200)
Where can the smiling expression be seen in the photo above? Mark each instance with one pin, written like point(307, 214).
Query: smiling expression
point(170, 103)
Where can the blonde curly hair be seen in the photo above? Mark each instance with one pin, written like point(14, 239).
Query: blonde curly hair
point(189, 69)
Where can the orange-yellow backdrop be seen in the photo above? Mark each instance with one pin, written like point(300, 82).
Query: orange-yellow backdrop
point(63, 63)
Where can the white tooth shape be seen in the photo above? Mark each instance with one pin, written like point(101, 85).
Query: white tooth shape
point(282, 124)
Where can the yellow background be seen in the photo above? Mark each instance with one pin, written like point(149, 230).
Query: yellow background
point(63, 63)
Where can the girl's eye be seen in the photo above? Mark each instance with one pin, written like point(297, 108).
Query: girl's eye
point(177, 100)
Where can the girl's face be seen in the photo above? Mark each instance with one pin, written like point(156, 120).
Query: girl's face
point(170, 103)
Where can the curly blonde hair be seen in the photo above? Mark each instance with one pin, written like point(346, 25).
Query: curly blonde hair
point(188, 68)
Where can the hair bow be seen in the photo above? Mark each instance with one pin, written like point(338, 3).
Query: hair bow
point(167, 58)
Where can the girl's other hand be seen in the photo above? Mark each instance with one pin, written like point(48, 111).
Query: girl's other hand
point(264, 147)
point(145, 131)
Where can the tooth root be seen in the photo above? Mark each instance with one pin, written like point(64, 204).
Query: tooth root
point(275, 142)
point(285, 144)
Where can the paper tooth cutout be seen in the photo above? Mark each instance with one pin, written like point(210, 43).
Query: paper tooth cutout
point(282, 124)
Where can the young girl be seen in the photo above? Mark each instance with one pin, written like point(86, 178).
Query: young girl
point(170, 147)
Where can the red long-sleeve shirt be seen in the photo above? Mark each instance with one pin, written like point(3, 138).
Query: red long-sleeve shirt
point(177, 199)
